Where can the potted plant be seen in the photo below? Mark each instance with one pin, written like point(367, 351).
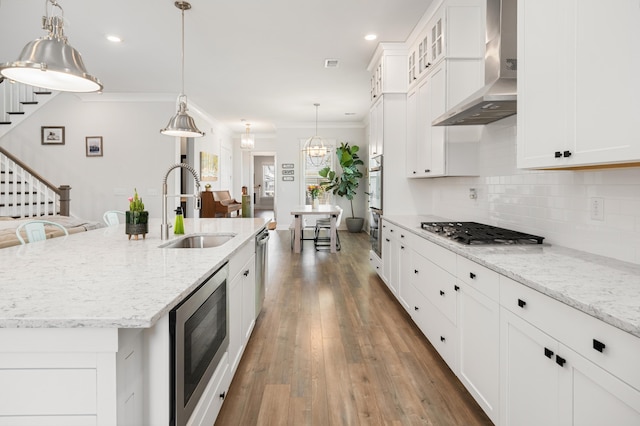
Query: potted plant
point(137, 218)
point(347, 182)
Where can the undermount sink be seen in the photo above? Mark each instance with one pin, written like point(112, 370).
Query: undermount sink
point(199, 241)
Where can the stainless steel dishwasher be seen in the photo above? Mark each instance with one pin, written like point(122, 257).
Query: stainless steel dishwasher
point(261, 267)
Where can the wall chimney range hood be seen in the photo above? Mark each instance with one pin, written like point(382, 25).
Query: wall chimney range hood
point(497, 99)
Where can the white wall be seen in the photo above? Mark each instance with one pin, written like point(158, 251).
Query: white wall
point(552, 204)
point(135, 154)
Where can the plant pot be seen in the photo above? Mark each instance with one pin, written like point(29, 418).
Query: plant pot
point(315, 203)
point(354, 224)
point(136, 223)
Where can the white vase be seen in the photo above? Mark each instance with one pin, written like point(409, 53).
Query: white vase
point(315, 203)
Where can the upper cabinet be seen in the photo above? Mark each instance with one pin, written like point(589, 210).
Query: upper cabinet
point(388, 69)
point(447, 67)
point(454, 30)
point(573, 111)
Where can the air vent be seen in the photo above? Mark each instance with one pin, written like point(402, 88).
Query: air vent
point(331, 63)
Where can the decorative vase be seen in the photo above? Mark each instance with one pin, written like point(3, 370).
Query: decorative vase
point(137, 223)
point(315, 203)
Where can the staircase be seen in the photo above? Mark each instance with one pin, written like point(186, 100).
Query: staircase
point(23, 192)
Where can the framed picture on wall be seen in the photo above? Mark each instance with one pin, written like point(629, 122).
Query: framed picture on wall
point(94, 146)
point(287, 172)
point(52, 135)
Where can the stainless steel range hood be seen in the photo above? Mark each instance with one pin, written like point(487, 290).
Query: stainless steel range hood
point(497, 99)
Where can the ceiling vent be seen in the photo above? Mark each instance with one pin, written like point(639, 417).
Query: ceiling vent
point(331, 63)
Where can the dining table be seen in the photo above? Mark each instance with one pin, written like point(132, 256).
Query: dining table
point(321, 210)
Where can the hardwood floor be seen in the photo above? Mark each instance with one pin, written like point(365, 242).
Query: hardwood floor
point(333, 347)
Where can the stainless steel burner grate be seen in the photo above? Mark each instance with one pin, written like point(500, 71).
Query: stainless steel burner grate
point(479, 233)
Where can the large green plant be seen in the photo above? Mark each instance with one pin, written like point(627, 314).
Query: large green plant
point(346, 183)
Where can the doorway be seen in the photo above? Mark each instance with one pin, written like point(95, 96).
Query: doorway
point(264, 184)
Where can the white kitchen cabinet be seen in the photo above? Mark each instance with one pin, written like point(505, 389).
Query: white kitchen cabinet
point(479, 334)
point(434, 151)
point(242, 295)
point(376, 128)
point(529, 374)
point(388, 69)
point(390, 255)
point(572, 110)
point(376, 263)
point(573, 383)
point(404, 267)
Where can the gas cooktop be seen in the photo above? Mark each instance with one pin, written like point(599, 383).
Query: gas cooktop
point(478, 233)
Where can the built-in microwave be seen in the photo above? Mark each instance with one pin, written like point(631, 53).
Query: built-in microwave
point(199, 335)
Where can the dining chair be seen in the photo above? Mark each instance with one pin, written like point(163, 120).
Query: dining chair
point(321, 242)
point(112, 217)
point(35, 231)
point(305, 225)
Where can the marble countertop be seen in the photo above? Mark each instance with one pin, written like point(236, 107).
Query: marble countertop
point(101, 279)
point(602, 287)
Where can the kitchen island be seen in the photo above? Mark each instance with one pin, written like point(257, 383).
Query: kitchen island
point(83, 321)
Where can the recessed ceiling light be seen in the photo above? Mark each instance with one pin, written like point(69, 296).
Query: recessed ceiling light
point(370, 37)
point(349, 113)
point(114, 38)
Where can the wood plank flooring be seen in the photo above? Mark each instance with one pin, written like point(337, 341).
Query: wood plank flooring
point(332, 346)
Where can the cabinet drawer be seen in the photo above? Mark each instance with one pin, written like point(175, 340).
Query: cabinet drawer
point(479, 277)
point(375, 262)
point(581, 332)
point(443, 336)
point(440, 256)
point(389, 231)
point(238, 260)
point(437, 285)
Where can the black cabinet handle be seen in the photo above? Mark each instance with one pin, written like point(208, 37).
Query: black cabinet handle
point(401, 247)
point(401, 235)
point(246, 273)
point(415, 308)
point(521, 303)
point(566, 154)
point(548, 353)
point(391, 230)
point(456, 288)
point(415, 271)
point(223, 394)
point(557, 154)
point(441, 293)
point(442, 339)
point(560, 361)
point(427, 170)
point(472, 275)
point(388, 240)
point(598, 346)
point(414, 172)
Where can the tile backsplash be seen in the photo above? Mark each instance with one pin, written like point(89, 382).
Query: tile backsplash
point(557, 205)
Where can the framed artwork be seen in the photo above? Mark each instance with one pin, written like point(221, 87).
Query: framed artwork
point(287, 165)
point(287, 178)
point(288, 172)
point(94, 146)
point(52, 135)
point(208, 167)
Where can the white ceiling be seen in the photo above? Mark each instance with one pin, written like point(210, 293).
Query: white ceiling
point(262, 60)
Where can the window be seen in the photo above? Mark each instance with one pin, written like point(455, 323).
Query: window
point(310, 172)
point(268, 180)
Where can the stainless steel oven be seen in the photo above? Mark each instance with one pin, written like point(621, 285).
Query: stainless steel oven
point(375, 203)
point(199, 332)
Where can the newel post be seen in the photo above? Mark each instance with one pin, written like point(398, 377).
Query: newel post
point(65, 199)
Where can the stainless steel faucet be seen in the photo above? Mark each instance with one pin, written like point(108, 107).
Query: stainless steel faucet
point(164, 227)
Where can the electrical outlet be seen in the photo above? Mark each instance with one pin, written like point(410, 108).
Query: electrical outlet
point(596, 206)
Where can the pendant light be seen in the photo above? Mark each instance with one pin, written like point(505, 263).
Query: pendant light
point(315, 148)
point(247, 140)
point(50, 62)
point(182, 124)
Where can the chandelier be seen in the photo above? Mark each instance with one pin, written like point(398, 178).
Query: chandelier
point(247, 140)
point(315, 148)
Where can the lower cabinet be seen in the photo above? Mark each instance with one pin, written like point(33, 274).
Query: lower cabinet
point(241, 311)
point(479, 351)
point(526, 358)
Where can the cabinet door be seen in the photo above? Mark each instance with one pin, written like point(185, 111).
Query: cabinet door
point(529, 374)
point(436, 39)
point(572, 112)
point(590, 396)
point(437, 104)
point(424, 157)
point(248, 298)
point(404, 269)
point(411, 163)
point(479, 348)
point(236, 345)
